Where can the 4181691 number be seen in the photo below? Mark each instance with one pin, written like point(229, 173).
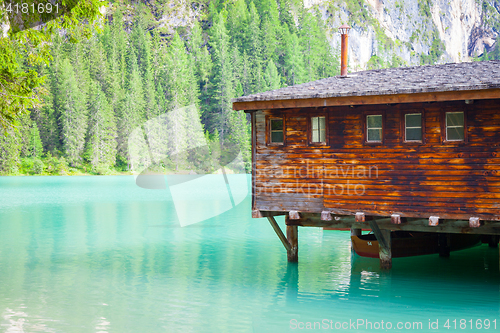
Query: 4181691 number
point(471, 324)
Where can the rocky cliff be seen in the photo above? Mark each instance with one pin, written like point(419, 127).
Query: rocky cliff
point(388, 33)
point(408, 32)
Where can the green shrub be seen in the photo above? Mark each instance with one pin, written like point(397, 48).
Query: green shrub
point(38, 166)
point(26, 164)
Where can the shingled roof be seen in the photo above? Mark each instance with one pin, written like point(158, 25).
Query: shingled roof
point(390, 81)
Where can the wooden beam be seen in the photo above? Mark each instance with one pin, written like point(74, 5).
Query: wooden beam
point(369, 100)
point(474, 222)
point(293, 238)
point(294, 215)
point(433, 221)
point(256, 214)
point(310, 209)
point(326, 216)
point(360, 217)
point(384, 245)
point(445, 226)
point(278, 232)
point(269, 213)
point(395, 219)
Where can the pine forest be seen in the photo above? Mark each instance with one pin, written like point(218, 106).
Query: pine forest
point(98, 90)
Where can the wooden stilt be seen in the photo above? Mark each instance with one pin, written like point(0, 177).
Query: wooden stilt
point(385, 252)
point(355, 231)
point(293, 239)
point(444, 245)
point(384, 245)
point(493, 241)
point(278, 232)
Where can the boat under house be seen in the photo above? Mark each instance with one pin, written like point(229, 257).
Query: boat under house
point(415, 149)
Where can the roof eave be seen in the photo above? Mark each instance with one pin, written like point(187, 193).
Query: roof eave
point(438, 96)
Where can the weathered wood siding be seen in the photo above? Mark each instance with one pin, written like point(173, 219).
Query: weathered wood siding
point(449, 180)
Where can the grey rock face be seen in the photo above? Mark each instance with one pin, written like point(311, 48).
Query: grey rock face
point(407, 29)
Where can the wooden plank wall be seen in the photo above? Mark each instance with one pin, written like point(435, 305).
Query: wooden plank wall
point(449, 180)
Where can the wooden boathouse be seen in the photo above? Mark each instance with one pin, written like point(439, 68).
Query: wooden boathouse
point(414, 148)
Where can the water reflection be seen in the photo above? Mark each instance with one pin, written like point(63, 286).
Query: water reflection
point(126, 265)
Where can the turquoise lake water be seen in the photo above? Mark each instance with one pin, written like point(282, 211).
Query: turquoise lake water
point(100, 254)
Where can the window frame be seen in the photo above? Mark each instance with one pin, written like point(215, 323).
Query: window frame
point(403, 127)
point(365, 127)
point(268, 130)
point(444, 128)
point(309, 129)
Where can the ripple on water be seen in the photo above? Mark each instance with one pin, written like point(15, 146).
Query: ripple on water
point(81, 254)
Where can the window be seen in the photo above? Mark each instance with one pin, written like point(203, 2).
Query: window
point(318, 134)
point(277, 135)
point(455, 126)
point(374, 128)
point(413, 127)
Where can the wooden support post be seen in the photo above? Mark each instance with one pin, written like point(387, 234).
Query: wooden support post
point(493, 241)
point(433, 221)
point(278, 232)
point(355, 231)
point(396, 219)
point(444, 245)
point(256, 214)
point(326, 216)
point(474, 222)
point(384, 245)
point(360, 217)
point(293, 238)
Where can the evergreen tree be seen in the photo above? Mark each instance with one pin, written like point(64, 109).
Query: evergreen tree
point(9, 151)
point(131, 110)
point(238, 17)
point(223, 80)
point(239, 71)
point(72, 114)
point(45, 115)
point(271, 37)
point(119, 46)
point(285, 13)
point(183, 95)
point(272, 77)
point(240, 137)
point(141, 41)
point(203, 67)
point(202, 60)
point(101, 144)
point(183, 90)
point(79, 57)
point(255, 51)
point(98, 67)
point(294, 62)
point(35, 143)
point(318, 59)
point(245, 75)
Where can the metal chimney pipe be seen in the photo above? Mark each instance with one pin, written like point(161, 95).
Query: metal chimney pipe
point(344, 31)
